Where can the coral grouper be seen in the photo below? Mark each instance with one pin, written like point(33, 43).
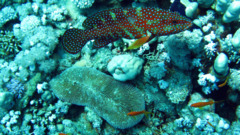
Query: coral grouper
point(133, 23)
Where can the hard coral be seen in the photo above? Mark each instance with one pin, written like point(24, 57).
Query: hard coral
point(9, 45)
point(110, 99)
point(7, 14)
point(83, 3)
point(15, 87)
point(125, 67)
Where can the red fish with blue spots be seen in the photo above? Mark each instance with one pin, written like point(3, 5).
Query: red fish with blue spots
point(132, 23)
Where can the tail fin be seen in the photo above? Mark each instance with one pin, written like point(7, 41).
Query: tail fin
point(74, 40)
point(219, 101)
point(146, 113)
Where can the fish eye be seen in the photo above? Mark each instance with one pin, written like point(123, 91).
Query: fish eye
point(174, 22)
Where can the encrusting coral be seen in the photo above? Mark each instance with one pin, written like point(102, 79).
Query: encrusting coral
point(109, 98)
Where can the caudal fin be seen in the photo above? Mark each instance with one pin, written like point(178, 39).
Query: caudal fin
point(74, 40)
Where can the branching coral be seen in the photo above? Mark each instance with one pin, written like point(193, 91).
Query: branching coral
point(9, 45)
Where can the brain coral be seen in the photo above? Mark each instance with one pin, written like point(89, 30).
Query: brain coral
point(110, 99)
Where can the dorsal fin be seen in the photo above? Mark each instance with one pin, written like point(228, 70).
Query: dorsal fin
point(98, 19)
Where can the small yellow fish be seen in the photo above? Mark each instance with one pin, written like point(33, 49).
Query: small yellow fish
point(63, 134)
point(139, 42)
point(132, 113)
point(225, 82)
point(202, 104)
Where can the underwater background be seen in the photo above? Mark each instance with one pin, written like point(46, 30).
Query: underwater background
point(128, 67)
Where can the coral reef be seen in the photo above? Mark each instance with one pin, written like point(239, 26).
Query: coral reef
point(184, 83)
point(179, 93)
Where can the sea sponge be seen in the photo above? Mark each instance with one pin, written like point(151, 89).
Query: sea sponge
point(110, 99)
